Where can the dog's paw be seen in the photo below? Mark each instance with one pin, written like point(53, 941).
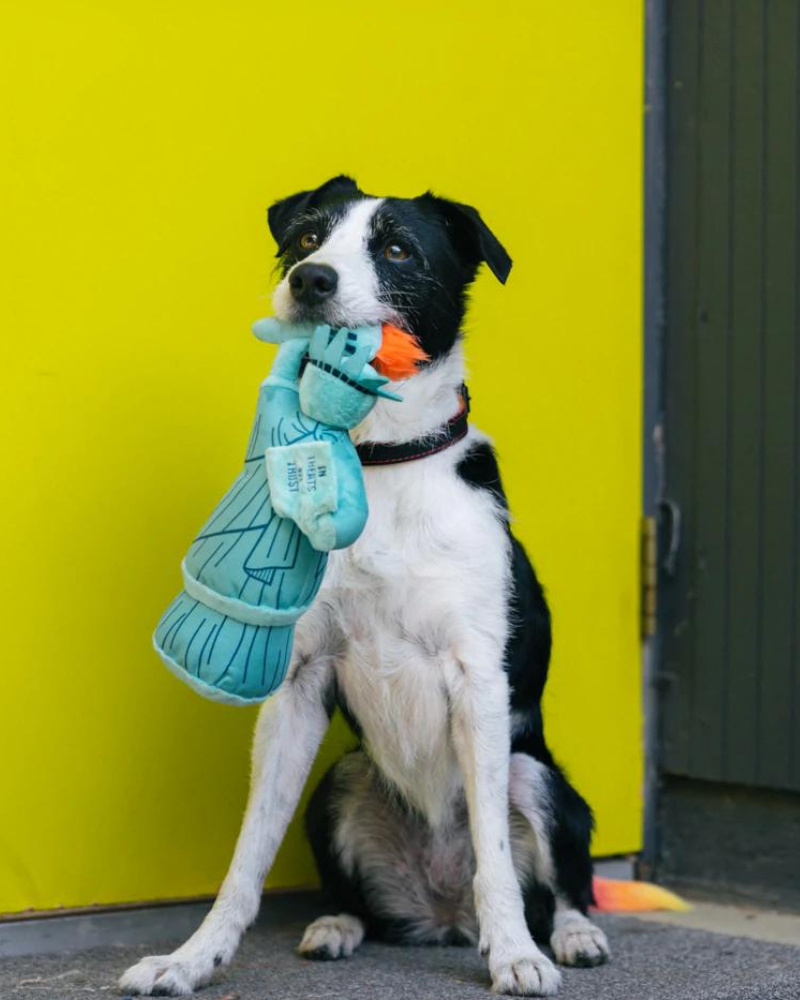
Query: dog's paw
point(162, 976)
point(332, 937)
point(579, 943)
point(530, 974)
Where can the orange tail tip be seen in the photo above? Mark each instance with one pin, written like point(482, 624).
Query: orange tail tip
point(400, 354)
point(632, 897)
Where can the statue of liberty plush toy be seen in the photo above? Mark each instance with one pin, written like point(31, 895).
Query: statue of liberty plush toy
point(258, 562)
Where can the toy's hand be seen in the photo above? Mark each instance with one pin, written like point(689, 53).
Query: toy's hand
point(319, 529)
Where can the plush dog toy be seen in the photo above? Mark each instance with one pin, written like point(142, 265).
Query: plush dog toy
point(258, 562)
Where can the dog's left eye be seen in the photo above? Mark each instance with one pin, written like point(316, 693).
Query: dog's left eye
point(395, 251)
point(309, 240)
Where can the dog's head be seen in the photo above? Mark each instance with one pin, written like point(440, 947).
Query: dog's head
point(349, 259)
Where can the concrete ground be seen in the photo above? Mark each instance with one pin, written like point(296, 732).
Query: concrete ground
point(651, 961)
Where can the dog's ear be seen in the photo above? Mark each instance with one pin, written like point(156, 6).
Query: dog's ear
point(282, 212)
point(473, 237)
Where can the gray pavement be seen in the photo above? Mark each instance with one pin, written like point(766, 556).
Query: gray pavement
point(652, 961)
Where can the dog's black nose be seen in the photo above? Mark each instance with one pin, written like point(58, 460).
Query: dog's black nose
point(313, 283)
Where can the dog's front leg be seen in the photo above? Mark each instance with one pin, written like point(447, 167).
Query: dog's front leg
point(288, 733)
point(481, 735)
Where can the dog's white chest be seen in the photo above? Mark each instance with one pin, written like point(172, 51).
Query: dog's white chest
point(405, 596)
point(396, 692)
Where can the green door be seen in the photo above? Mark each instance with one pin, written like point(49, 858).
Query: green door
point(730, 621)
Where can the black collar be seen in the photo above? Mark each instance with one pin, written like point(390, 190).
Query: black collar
point(375, 453)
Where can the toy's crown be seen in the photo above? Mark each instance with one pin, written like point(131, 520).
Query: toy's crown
point(343, 352)
point(346, 354)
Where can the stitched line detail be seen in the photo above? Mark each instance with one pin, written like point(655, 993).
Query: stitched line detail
point(325, 367)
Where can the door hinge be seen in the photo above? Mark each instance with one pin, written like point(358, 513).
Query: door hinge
point(649, 577)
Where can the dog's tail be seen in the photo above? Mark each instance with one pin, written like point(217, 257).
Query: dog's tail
point(618, 896)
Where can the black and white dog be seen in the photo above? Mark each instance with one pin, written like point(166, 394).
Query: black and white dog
point(451, 823)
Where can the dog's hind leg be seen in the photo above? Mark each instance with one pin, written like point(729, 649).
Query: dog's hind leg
point(575, 939)
point(338, 936)
point(383, 868)
point(562, 824)
point(288, 733)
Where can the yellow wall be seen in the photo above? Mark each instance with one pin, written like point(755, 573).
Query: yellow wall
point(146, 140)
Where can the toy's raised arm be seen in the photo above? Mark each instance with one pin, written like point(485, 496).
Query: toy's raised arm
point(285, 371)
point(293, 342)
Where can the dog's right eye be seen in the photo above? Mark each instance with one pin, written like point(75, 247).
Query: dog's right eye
point(395, 251)
point(308, 240)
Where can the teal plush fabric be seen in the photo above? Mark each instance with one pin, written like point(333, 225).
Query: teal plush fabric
point(259, 560)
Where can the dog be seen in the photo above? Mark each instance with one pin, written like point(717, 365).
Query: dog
point(451, 822)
